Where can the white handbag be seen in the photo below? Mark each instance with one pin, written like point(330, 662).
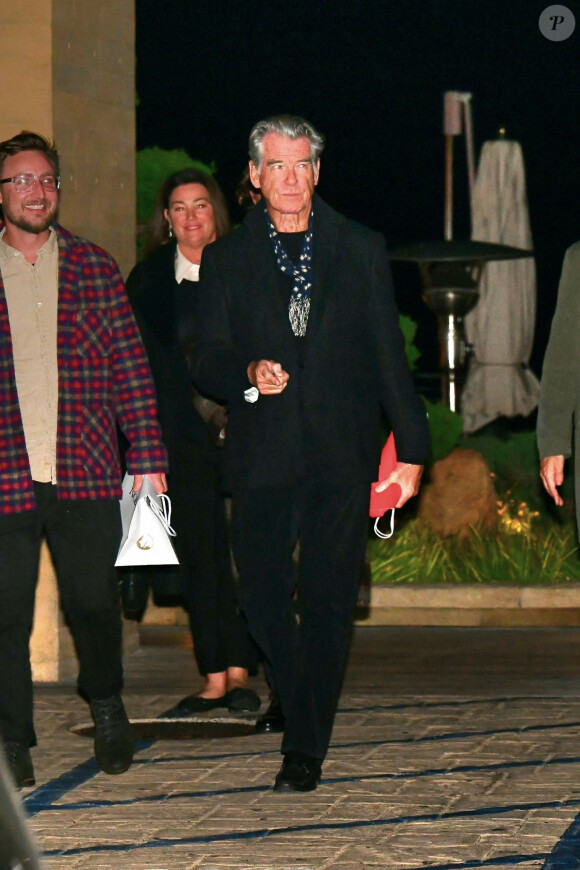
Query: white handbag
point(146, 522)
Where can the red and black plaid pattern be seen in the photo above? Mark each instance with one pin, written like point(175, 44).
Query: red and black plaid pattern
point(103, 380)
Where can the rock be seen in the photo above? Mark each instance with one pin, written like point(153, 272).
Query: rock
point(459, 494)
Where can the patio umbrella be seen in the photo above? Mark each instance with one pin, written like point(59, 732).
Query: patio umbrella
point(501, 327)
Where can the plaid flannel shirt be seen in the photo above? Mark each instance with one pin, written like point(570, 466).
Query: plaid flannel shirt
point(103, 381)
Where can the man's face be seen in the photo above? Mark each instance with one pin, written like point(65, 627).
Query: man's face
point(286, 176)
point(33, 210)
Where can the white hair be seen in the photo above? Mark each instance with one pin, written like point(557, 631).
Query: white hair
point(291, 126)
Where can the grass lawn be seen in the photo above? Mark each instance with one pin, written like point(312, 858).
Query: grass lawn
point(534, 543)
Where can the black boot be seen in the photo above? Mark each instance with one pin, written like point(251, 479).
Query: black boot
point(19, 763)
point(114, 742)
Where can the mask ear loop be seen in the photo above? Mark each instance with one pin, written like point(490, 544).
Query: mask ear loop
point(383, 535)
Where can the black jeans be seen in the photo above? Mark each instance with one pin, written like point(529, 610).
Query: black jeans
point(83, 537)
point(307, 657)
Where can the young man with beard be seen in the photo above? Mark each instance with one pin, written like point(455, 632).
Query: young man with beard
point(72, 367)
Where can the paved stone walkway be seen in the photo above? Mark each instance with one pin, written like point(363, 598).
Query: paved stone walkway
point(453, 748)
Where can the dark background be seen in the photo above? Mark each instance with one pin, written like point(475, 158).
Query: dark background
point(371, 77)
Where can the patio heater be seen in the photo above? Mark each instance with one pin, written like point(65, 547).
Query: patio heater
point(451, 270)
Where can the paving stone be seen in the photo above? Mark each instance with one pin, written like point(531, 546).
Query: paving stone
point(451, 746)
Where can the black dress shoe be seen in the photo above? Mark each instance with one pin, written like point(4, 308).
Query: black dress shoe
point(194, 704)
point(273, 721)
point(243, 701)
point(19, 763)
point(298, 773)
point(114, 741)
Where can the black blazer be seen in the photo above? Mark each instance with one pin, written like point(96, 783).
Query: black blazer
point(162, 307)
point(352, 367)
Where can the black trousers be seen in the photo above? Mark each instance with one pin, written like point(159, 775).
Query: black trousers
point(219, 630)
point(83, 537)
point(307, 657)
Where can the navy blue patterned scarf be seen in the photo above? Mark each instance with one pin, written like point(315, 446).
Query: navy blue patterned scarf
point(301, 275)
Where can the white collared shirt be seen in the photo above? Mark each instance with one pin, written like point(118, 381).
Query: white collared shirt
point(184, 268)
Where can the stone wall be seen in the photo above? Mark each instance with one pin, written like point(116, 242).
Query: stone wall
point(93, 94)
point(26, 68)
point(68, 71)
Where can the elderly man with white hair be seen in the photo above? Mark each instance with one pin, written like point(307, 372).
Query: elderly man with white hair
point(297, 329)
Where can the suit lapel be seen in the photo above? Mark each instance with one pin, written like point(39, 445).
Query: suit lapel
point(159, 301)
point(324, 254)
point(264, 277)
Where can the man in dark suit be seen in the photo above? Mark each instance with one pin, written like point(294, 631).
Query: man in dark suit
point(297, 329)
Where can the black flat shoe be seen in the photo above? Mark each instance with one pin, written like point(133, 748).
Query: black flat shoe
point(243, 701)
point(19, 764)
point(194, 704)
point(273, 721)
point(298, 773)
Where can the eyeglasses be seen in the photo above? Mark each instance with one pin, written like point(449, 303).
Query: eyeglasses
point(26, 181)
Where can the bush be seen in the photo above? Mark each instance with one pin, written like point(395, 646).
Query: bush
point(513, 460)
point(445, 427)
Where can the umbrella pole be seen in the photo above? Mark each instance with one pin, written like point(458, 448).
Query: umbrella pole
point(448, 221)
point(456, 108)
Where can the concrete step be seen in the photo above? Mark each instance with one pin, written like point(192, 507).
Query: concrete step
point(500, 605)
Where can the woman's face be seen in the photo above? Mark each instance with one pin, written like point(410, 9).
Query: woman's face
point(190, 215)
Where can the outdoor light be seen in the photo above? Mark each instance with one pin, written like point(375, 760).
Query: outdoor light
point(451, 270)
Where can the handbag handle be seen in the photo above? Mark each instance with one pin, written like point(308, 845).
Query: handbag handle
point(162, 510)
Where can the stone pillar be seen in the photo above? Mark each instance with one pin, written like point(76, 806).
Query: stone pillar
point(93, 105)
point(68, 72)
point(49, 637)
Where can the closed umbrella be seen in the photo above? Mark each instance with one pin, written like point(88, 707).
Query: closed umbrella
point(501, 327)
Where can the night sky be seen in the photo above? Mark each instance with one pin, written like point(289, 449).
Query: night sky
point(371, 77)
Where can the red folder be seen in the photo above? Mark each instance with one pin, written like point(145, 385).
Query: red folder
point(385, 501)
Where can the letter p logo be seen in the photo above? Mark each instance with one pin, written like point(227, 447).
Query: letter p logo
point(557, 23)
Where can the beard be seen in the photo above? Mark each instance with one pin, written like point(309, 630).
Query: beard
point(30, 224)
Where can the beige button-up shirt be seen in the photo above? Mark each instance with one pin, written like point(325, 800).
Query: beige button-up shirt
point(32, 298)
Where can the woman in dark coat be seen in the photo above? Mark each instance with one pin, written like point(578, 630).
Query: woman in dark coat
point(190, 214)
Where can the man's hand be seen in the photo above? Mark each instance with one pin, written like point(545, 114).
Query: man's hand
point(407, 476)
point(158, 480)
point(552, 474)
point(268, 376)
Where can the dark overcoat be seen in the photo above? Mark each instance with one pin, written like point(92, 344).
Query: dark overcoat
point(350, 368)
point(162, 308)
